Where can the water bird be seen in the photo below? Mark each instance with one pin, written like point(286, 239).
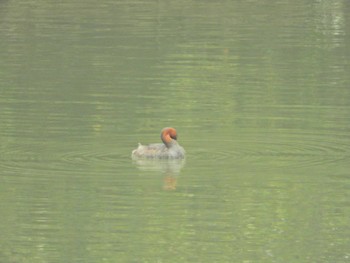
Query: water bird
point(169, 149)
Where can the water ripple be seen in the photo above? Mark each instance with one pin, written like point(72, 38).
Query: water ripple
point(19, 159)
point(306, 150)
point(287, 150)
point(91, 157)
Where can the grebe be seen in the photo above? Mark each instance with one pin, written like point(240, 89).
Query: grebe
point(169, 149)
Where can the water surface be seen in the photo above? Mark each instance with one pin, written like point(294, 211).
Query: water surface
point(258, 91)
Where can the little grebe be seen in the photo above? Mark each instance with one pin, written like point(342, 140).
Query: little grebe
point(169, 149)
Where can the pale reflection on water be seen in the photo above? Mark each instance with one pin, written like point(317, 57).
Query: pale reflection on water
point(170, 169)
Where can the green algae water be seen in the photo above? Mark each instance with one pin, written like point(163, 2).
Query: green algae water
point(258, 92)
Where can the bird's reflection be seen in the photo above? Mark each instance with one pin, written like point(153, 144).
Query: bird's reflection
point(170, 168)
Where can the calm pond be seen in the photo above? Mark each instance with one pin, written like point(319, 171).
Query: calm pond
point(259, 92)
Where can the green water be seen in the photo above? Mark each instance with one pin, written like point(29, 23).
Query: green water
point(257, 90)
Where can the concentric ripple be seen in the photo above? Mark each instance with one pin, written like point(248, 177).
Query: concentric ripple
point(289, 150)
point(30, 158)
